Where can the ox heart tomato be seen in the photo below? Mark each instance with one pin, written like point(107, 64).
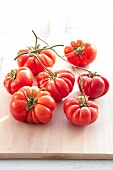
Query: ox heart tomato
point(80, 53)
point(94, 85)
point(30, 104)
point(18, 78)
point(35, 56)
point(26, 58)
point(59, 83)
point(79, 111)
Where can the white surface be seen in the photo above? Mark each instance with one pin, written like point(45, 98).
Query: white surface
point(55, 165)
point(18, 18)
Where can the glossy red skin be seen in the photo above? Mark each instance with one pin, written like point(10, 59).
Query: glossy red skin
point(47, 57)
point(78, 115)
point(24, 77)
point(93, 87)
point(60, 86)
point(88, 55)
point(41, 112)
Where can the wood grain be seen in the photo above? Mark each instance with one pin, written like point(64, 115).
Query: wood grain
point(59, 139)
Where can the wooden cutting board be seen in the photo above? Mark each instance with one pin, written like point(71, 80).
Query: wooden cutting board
point(59, 139)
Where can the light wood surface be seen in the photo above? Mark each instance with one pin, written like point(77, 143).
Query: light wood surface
point(58, 139)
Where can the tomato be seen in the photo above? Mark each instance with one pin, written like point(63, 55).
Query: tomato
point(59, 83)
point(80, 112)
point(80, 53)
point(30, 104)
point(47, 57)
point(94, 85)
point(18, 78)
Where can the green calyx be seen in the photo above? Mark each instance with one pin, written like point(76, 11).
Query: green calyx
point(79, 50)
point(35, 50)
point(82, 101)
point(52, 77)
point(31, 102)
point(12, 75)
point(83, 105)
point(93, 74)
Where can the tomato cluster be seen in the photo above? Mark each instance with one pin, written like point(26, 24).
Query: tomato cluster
point(36, 103)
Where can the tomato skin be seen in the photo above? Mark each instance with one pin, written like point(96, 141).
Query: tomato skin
point(39, 112)
point(22, 77)
point(80, 54)
point(47, 57)
point(95, 86)
point(59, 86)
point(78, 115)
point(50, 54)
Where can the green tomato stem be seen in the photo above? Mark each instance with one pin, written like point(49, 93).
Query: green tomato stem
point(35, 39)
point(82, 88)
point(40, 38)
point(62, 57)
point(37, 50)
point(52, 73)
point(20, 55)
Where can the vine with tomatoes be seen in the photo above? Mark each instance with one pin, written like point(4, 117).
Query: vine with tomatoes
point(36, 103)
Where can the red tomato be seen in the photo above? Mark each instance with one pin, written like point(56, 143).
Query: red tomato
point(80, 54)
point(30, 104)
point(94, 85)
point(18, 78)
point(59, 84)
point(47, 57)
point(80, 112)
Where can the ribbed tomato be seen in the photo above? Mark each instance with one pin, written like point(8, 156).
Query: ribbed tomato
point(26, 58)
point(80, 112)
point(32, 105)
point(18, 78)
point(80, 53)
point(94, 85)
point(58, 83)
